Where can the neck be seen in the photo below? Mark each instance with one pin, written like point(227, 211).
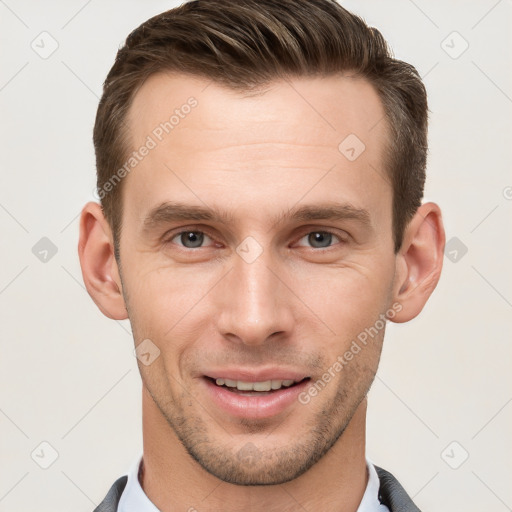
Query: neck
point(173, 480)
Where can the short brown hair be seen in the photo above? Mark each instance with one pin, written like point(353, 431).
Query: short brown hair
point(243, 44)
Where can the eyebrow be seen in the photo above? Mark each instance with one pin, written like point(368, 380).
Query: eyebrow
point(169, 212)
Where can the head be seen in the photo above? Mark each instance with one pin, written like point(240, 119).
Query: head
point(261, 168)
point(245, 45)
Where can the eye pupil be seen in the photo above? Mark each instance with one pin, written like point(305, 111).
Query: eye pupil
point(320, 237)
point(192, 239)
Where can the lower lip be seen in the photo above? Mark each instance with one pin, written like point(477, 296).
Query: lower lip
point(255, 407)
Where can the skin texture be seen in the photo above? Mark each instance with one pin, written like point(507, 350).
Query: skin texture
point(299, 305)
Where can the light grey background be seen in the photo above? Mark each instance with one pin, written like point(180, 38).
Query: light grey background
point(68, 376)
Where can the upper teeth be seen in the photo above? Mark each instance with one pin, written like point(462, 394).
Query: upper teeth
point(254, 386)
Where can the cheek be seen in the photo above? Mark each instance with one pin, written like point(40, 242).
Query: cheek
point(347, 299)
point(165, 305)
point(350, 302)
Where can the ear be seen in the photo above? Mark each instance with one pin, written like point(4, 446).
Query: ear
point(419, 261)
point(99, 266)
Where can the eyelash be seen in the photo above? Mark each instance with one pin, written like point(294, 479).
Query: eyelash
point(169, 237)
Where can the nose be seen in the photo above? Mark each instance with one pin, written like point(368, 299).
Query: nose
point(256, 302)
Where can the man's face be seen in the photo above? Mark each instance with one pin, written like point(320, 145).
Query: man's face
point(259, 294)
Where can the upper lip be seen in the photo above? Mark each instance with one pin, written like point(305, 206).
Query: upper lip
point(254, 375)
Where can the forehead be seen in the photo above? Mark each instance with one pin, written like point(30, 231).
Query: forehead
point(328, 105)
point(206, 139)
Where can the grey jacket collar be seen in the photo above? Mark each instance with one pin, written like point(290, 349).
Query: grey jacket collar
point(111, 501)
point(391, 494)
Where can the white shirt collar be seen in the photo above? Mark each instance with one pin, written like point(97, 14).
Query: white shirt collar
point(370, 501)
point(134, 499)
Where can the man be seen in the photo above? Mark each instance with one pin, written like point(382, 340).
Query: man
point(260, 167)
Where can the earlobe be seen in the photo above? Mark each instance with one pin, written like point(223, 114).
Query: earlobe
point(99, 267)
point(419, 261)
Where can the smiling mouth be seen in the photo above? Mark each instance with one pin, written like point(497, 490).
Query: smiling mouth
point(263, 388)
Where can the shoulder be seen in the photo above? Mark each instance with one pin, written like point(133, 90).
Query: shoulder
point(392, 494)
point(109, 504)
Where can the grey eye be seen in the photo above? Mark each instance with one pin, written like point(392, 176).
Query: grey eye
point(191, 239)
point(319, 239)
